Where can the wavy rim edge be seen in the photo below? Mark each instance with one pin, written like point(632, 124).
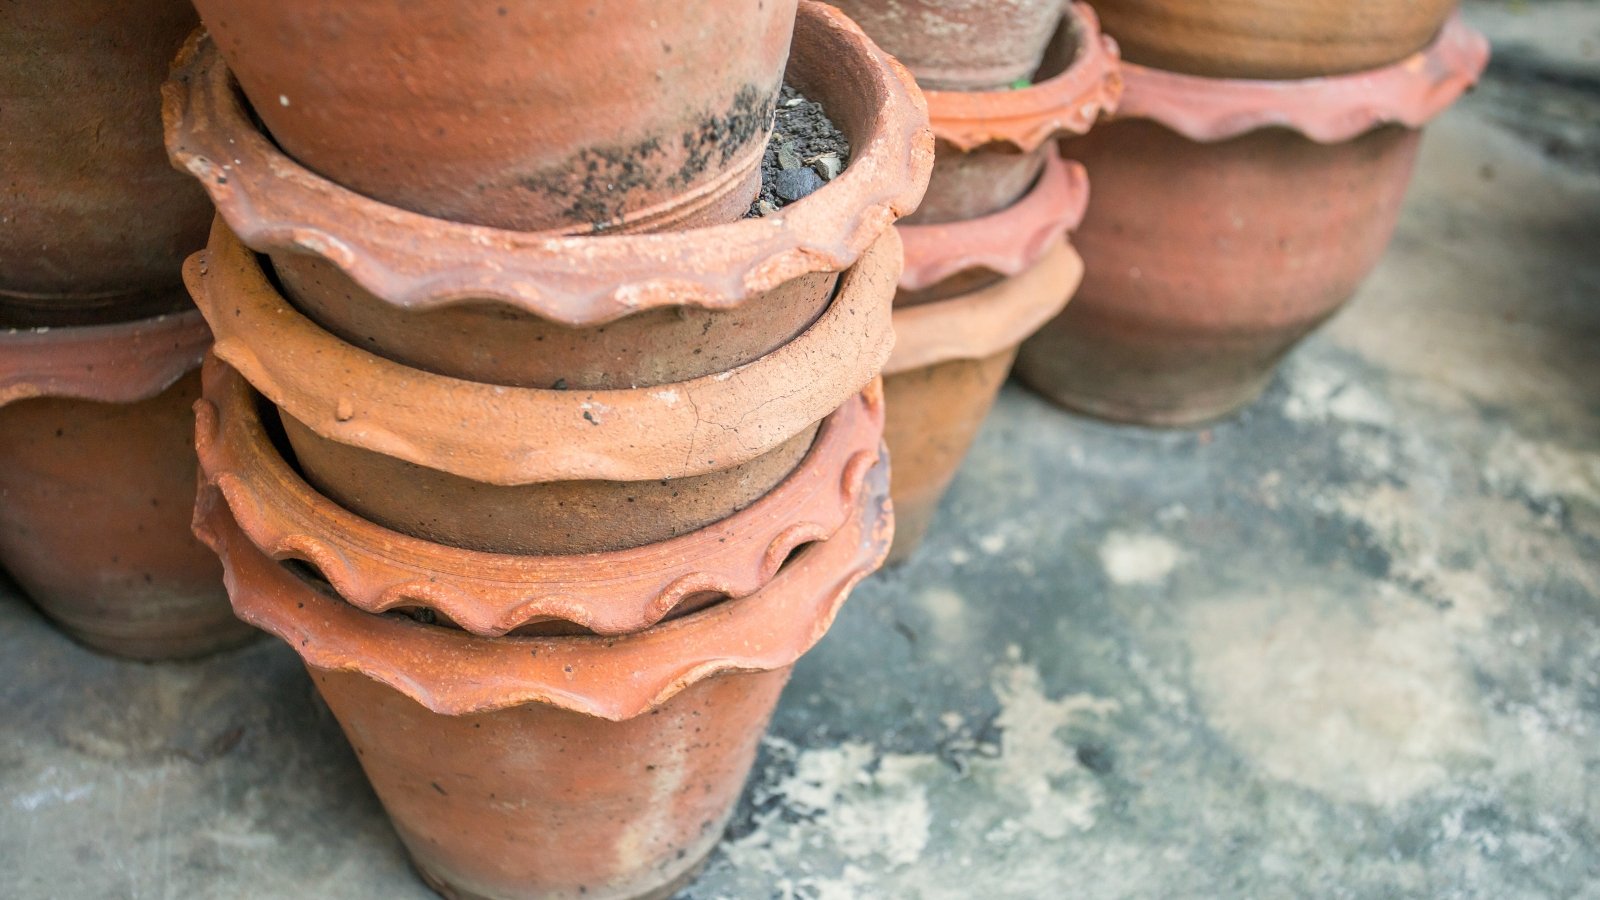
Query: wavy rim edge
point(147, 356)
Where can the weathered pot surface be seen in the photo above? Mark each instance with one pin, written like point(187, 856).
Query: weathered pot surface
point(522, 470)
point(97, 472)
point(1200, 276)
point(416, 262)
point(1272, 39)
point(529, 114)
point(991, 145)
point(96, 222)
point(951, 359)
point(562, 766)
point(961, 45)
point(492, 594)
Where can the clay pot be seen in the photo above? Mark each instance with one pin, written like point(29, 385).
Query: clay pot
point(948, 364)
point(529, 114)
point(529, 471)
point(991, 145)
point(1272, 39)
point(961, 45)
point(623, 311)
point(560, 766)
point(97, 483)
point(95, 222)
point(493, 594)
point(1230, 219)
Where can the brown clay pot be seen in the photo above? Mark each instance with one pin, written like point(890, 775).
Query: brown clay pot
point(623, 311)
point(494, 594)
point(991, 145)
point(1272, 39)
point(560, 766)
point(961, 45)
point(94, 223)
point(1231, 218)
point(948, 364)
point(531, 471)
point(96, 481)
point(527, 114)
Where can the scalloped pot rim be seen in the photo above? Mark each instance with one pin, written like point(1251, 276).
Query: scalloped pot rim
point(491, 594)
point(617, 678)
point(124, 362)
point(1327, 110)
point(419, 262)
point(1065, 104)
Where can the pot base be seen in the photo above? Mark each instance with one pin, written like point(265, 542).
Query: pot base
point(664, 892)
point(1186, 408)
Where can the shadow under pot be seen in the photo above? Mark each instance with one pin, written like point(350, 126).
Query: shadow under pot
point(97, 473)
point(96, 221)
point(539, 471)
point(1229, 220)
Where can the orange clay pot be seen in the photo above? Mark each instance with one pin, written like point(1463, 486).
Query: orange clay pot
point(948, 364)
point(560, 766)
point(93, 221)
point(493, 594)
point(623, 311)
point(526, 114)
point(961, 45)
point(991, 145)
point(96, 486)
point(1230, 219)
point(523, 470)
point(1272, 39)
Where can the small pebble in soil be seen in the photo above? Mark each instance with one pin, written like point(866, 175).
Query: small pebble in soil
point(806, 151)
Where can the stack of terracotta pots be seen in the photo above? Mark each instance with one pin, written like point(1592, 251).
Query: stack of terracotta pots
point(546, 456)
point(986, 263)
point(1252, 179)
point(98, 342)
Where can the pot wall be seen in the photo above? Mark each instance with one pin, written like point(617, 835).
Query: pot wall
point(538, 802)
point(97, 222)
point(961, 45)
point(94, 524)
point(1206, 263)
point(1274, 39)
point(966, 185)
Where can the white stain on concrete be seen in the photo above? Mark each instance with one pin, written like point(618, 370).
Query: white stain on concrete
point(1139, 559)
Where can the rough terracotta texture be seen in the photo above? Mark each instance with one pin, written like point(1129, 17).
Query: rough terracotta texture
point(495, 468)
point(1272, 39)
point(416, 262)
point(492, 594)
point(565, 766)
point(961, 45)
point(96, 485)
point(991, 145)
point(1200, 275)
point(95, 221)
point(527, 114)
point(947, 368)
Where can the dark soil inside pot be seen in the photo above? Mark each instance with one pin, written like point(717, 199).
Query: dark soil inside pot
point(806, 151)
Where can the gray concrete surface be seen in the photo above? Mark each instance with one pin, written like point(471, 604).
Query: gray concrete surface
point(1347, 645)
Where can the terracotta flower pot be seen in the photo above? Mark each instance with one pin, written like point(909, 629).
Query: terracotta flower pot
point(948, 365)
point(991, 145)
point(1230, 219)
point(93, 221)
point(616, 312)
point(529, 114)
point(961, 45)
point(561, 766)
point(96, 481)
point(493, 594)
point(530, 471)
point(1272, 39)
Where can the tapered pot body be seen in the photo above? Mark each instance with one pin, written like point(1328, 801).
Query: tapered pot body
point(526, 114)
point(1207, 262)
point(970, 184)
point(95, 502)
point(961, 45)
point(96, 221)
point(1271, 38)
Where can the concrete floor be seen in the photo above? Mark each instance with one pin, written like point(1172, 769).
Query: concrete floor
point(1347, 645)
